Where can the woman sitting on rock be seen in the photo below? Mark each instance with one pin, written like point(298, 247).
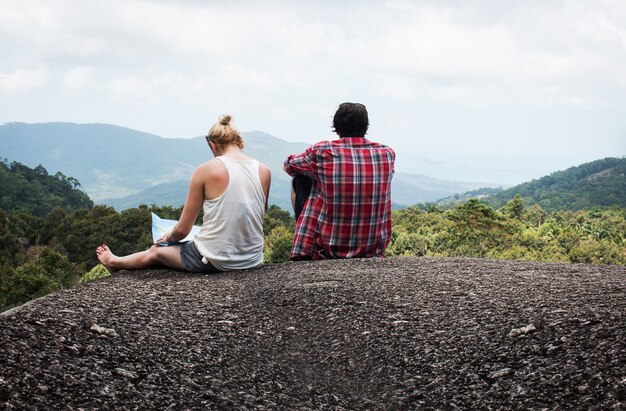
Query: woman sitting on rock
point(233, 190)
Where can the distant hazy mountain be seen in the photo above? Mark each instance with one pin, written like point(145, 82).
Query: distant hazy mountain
point(598, 183)
point(124, 168)
point(409, 187)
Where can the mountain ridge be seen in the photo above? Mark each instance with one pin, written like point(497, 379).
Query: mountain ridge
point(123, 167)
point(596, 183)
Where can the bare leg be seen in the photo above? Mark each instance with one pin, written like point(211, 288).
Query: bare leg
point(154, 257)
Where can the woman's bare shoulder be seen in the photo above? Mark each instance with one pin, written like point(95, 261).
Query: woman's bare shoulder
point(210, 167)
point(264, 167)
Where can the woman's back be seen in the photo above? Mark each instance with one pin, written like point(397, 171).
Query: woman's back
point(231, 236)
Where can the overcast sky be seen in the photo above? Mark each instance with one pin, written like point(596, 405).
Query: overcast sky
point(495, 91)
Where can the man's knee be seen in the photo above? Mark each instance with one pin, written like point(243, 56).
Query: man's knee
point(301, 188)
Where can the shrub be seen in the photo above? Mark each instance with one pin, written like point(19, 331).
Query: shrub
point(407, 243)
point(278, 245)
point(597, 252)
point(96, 273)
point(50, 272)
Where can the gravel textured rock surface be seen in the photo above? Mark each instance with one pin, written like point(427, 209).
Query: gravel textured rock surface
point(396, 333)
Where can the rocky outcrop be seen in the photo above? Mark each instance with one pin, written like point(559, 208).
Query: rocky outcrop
point(396, 333)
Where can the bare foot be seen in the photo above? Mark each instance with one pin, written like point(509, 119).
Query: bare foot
point(104, 256)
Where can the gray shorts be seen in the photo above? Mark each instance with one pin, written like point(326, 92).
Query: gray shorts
point(192, 259)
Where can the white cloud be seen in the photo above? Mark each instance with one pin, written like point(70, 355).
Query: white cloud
point(447, 52)
point(128, 85)
point(504, 58)
point(433, 45)
point(17, 15)
point(79, 78)
point(240, 76)
point(397, 86)
point(23, 80)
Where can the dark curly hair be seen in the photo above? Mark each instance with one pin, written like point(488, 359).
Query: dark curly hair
point(351, 120)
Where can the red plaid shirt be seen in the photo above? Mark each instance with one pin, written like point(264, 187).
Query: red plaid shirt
point(349, 211)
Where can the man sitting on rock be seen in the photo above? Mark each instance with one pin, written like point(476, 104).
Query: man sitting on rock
point(342, 192)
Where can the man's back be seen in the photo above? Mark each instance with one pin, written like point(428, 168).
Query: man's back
point(348, 213)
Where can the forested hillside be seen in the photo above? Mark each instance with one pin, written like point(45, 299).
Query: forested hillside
point(36, 192)
point(599, 183)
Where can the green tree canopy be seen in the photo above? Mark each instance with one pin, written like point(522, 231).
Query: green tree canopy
point(36, 192)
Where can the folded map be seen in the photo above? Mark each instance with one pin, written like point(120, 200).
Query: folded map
point(161, 226)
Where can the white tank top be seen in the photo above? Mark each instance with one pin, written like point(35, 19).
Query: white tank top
point(231, 236)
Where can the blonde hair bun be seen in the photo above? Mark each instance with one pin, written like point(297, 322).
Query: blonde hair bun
point(225, 119)
point(224, 133)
